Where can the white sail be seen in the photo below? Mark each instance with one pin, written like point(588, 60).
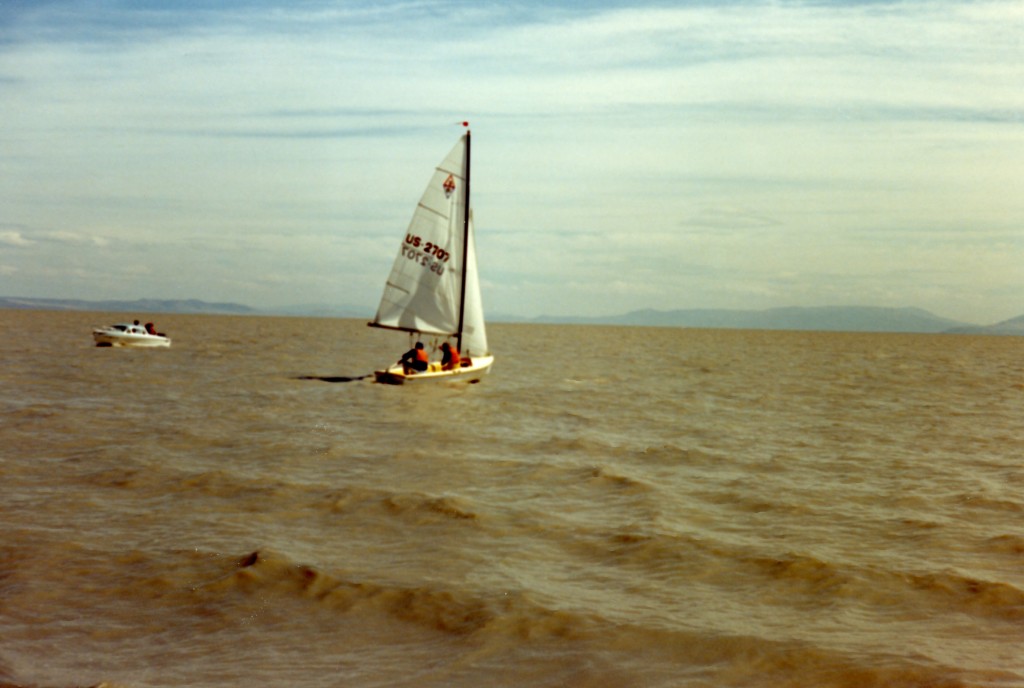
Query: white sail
point(474, 334)
point(423, 291)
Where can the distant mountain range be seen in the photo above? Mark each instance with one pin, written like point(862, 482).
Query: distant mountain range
point(186, 306)
point(823, 318)
point(137, 306)
point(1014, 326)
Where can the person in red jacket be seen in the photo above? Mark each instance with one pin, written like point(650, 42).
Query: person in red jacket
point(450, 359)
point(415, 359)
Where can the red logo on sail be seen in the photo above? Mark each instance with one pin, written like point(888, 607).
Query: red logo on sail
point(449, 185)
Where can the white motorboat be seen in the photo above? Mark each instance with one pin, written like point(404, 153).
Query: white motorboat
point(433, 290)
point(125, 334)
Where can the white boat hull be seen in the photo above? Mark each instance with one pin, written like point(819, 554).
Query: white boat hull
point(109, 336)
point(470, 374)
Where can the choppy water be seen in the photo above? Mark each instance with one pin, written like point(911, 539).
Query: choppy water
point(611, 507)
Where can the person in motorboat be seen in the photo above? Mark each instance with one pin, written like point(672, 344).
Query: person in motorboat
point(150, 328)
point(415, 359)
point(450, 359)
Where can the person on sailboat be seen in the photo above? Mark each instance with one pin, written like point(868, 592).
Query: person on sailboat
point(450, 359)
point(415, 359)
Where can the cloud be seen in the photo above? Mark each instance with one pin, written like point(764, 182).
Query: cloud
point(695, 150)
point(720, 218)
point(71, 238)
point(13, 238)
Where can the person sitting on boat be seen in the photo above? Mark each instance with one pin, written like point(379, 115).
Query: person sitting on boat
point(150, 329)
point(415, 359)
point(450, 359)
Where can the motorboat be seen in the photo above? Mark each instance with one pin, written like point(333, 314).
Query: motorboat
point(125, 334)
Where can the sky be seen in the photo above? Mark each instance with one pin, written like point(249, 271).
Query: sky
point(627, 155)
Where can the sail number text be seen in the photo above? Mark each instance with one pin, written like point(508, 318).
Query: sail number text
point(427, 254)
point(428, 247)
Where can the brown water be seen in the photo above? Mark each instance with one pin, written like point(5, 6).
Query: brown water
point(611, 507)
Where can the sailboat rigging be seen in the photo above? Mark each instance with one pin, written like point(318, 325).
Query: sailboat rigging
point(434, 286)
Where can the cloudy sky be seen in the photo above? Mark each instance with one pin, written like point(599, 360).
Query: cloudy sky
point(627, 155)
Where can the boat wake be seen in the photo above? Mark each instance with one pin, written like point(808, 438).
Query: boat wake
point(333, 378)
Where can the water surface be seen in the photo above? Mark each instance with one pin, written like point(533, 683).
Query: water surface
point(610, 507)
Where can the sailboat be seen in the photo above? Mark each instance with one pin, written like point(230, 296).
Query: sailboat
point(433, 290)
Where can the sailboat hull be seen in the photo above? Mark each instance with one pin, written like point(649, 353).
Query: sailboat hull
point(465, 375)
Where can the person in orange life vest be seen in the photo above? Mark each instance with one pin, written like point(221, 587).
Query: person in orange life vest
point(450, 359)
point(415, 359)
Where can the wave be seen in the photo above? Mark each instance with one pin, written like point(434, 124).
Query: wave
point(649, 545)
point(512, 623)
point(414, 506)
point(671, 455)
point(447, 507)
point(602, 475)
point(808, 579)
point(449, 611)
point(228, 485)
point(968, 594)
point(810, 573)
point(662, 558)
point(827, 583)
point(569, 444)
point(256, 493)
point(981, 501)
point(486, 630)
point(751, 502)
point(1006, 544)
point(20, 415)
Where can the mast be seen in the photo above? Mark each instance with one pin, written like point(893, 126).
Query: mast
point(465, 250)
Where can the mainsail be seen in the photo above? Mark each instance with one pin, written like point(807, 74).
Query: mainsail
point(425, 287)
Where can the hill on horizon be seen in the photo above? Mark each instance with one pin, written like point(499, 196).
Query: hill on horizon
point(1013, 326)
point(193, 306)
point(811, 318)
point(817, 318)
